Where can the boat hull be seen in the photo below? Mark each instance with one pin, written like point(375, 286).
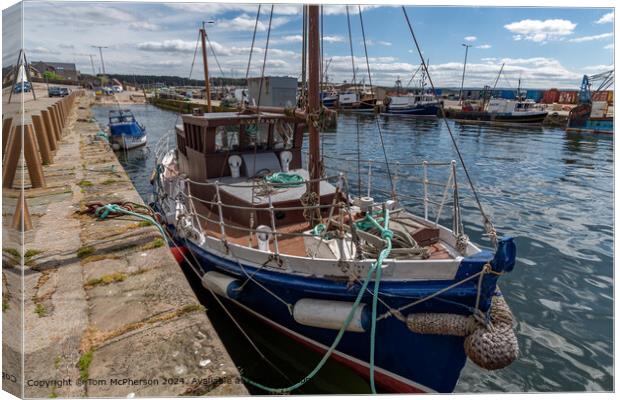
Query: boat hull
point(406, 362)
point(429, 110)
point(128, 142)
point(534, 118)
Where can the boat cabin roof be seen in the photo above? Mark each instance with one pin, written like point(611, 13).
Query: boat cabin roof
point(119, 116)
point(215, 119)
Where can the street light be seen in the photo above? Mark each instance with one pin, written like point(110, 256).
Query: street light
point(467, 46)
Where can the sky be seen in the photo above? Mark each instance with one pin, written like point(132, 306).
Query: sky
point(544, 47)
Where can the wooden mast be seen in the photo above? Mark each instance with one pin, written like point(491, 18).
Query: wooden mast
point(314, 55)
point(203, 36)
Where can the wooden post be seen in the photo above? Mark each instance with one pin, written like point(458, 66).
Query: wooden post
point(13, 150)
point(53, 122)
point(21, 217)
point(49, 129)
point(6, 129)
point(42, 139)
point(56, 119)
point(61, 109)
point(33, 160)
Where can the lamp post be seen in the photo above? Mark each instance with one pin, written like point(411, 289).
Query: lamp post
point(467, 46)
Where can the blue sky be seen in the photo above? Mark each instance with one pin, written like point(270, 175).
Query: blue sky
point(546, 47)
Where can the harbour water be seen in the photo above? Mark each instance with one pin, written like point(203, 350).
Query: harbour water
point(551, 190)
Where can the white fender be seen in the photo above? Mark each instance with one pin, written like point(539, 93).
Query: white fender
point(328, 314)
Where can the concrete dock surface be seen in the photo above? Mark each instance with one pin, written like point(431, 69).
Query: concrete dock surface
point(107, 310)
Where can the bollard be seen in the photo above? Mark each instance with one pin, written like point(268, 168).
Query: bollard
point(21, 216)
point(13, 150)
point(42, 139)
point(33, 160)
point(49, 129)
point(56, 120)
point(6, 129)
point(61, 118)
point(54, 123)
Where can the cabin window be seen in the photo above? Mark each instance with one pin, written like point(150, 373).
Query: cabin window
point(283, 135)
point(227, 138)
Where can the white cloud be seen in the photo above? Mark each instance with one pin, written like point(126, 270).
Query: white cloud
point(143, 26)
point(605, 19)
point(333, 39)
point(591, 38)
point(610, 46)
point(470, 38)
point(175, 45)
point(293, 38)
point(214, 9)
point(541, 31)
point(245, 22)
point(371, 42)
point(484, 46)
point(342, 9)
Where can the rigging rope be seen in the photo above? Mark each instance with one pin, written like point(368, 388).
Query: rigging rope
point(490, 230)
point(247, 71)
point(357, 124)
point(376, 116)
point(214, 55)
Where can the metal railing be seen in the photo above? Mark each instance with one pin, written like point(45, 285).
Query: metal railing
point(449, 199)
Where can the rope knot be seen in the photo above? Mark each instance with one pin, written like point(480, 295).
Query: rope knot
point(387, 234)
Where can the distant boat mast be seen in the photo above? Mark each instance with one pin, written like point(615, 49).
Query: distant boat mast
point(203, 37)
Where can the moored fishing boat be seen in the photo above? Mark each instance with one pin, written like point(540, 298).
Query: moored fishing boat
point(394, 295)
point(419, 105)
point(125, 131)
point(592, 116)
point(504, 111)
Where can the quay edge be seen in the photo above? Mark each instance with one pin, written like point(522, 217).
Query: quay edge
point(107, 310)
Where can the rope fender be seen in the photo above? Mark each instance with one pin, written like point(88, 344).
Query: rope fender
point(491, 346)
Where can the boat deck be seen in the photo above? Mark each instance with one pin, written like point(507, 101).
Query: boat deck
point(290, 242)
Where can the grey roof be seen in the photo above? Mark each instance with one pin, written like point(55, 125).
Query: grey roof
point(57, 65)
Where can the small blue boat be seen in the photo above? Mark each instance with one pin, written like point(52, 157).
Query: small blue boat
point(125, 132)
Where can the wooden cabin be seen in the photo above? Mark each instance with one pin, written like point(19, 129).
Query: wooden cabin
point(238, 150)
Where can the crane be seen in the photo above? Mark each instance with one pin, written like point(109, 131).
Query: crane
point(604, 80)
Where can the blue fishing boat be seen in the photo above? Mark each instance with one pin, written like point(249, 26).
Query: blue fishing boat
point(357, 276)
point(419, 105)
point(125, 131)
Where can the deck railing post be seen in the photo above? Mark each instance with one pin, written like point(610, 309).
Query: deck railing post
point(219, 211)
point(455, 207)
point(395, 180)
point(425, 167)
point(273, 227)
point(369, 176)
